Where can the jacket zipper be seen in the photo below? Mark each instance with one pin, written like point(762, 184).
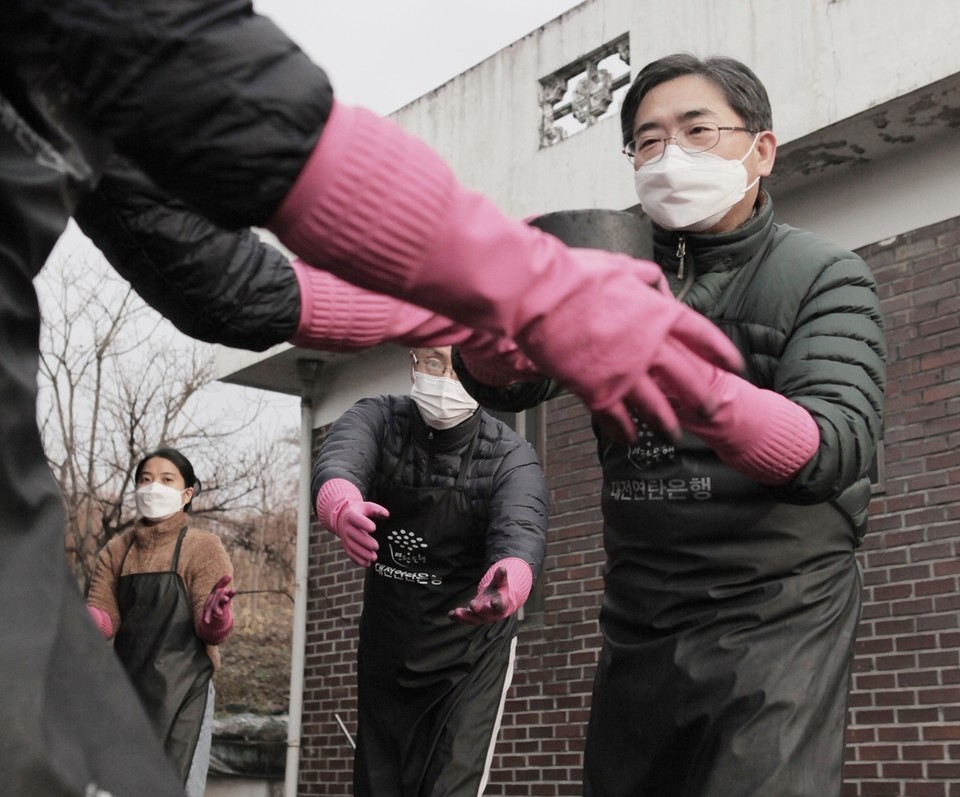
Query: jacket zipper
point(682, 257)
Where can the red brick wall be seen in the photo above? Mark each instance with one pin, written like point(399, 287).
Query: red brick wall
point(541, 740)
point(904, 737)
point(330, 682)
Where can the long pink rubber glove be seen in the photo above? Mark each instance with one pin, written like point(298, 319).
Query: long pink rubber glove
point(503, 589)
point(338, 316)
point(102, 620)
point(379, 208)
point(760, 433)
point(216, 619)
point(342, 510)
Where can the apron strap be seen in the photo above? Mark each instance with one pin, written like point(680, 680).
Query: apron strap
point(123, 561)
point(176, 552)
point(402, 458)
point(467, 458)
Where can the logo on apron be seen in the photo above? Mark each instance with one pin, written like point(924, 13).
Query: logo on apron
point(650, 449)
point(406, 548)
point(408, 551)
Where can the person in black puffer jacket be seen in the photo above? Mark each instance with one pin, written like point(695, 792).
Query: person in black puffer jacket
point(732, 593)
point(447, 507)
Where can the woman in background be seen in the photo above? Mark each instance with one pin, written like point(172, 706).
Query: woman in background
point(160, 592)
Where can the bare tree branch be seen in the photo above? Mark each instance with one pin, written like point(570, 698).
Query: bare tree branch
point(117, 382)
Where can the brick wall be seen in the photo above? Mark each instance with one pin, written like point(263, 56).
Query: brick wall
point(541, 740)
point(330, 681)
point(904, 737)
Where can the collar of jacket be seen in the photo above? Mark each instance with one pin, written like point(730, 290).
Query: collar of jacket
point(155, 535)
point(440, 439)
point(714, 252)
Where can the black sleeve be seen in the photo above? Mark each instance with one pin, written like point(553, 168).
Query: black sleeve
point(211, 100)
point(519, 509)
point(513, 398)
point(352, 446)
point(216, 285)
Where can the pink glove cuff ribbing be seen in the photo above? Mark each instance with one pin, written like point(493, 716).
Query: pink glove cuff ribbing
point(381, 242)
point(330, 498)
point(337, 316)
point(215, 631)
point(760, 433)
point(102, 621)
point(788, 440)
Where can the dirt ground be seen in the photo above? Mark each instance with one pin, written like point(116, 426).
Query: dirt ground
point(255, 673)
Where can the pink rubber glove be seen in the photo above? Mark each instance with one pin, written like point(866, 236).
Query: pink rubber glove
point(102, 620)
point(379, 208)
point(216, 620)
point(757, 432)
point(503, 589)
point(499, 364)
point(338, 316)
point(342, 510)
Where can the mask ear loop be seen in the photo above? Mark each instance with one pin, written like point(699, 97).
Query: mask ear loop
point(413, 366)
point(756, 138)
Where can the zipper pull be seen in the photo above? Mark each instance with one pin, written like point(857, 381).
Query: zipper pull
point(681, 254)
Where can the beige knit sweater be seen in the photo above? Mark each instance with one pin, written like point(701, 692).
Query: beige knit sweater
point(203, 561)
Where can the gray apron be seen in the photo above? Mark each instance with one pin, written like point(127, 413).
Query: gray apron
point(429, 688)
point(165, 659)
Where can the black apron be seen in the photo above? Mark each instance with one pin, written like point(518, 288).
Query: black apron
point(430, 689)
point(165, 659)
point(728, 622)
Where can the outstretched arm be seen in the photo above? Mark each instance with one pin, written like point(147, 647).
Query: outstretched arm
point(354, 194)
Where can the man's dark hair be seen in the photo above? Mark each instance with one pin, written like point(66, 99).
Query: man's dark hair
point(741, 88)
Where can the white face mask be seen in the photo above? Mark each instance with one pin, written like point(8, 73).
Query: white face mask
point(691, 192)
point(443, 402)
point(156, 501)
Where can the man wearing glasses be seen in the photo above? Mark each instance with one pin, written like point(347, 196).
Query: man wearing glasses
point(732, 594)
point(447, 508)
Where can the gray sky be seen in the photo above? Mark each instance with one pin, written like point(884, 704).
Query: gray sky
point(385, 53)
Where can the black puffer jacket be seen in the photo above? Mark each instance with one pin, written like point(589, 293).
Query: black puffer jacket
point(213, 284)
point(92, 78)
point(185, 90)
point(505, 483)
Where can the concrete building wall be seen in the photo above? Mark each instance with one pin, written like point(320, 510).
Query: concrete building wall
point(822, 61)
